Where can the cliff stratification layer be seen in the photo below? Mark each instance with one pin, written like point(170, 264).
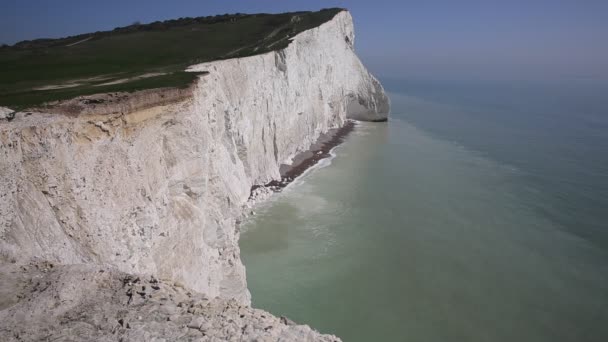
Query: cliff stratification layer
point(159, 190)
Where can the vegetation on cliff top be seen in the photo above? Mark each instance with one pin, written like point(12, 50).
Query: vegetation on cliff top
point(140, 56)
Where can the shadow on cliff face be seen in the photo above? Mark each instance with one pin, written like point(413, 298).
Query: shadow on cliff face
point(371, 105)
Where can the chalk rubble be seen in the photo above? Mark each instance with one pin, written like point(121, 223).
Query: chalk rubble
point(97, 303)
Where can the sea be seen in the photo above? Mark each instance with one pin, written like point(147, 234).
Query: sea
point(478, 212)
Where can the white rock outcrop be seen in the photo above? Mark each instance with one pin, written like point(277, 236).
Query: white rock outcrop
point(158, 191)
point(97, 303)
point(6, 113)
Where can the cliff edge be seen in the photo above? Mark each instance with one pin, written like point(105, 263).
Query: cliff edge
point(159, 190)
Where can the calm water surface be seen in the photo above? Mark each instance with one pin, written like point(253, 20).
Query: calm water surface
point(478, 213)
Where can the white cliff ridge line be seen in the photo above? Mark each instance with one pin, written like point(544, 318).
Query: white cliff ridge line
point(159, 191)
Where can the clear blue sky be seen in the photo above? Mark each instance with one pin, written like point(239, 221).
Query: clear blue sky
point(489, 38)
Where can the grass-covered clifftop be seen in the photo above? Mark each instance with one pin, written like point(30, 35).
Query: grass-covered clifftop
point(140, 56)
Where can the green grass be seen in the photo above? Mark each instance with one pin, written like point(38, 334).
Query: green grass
point(167, 47)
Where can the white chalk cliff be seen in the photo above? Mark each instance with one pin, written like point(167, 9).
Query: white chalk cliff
point(159, 191)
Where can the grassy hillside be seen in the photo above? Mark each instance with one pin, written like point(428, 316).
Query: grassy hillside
point(139, 56)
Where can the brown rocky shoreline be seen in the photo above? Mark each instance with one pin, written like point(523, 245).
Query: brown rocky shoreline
point(303, 161)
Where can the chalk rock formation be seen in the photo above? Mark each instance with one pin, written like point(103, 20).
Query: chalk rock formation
point(158, 191)
point(6, 113)
point(44, 302)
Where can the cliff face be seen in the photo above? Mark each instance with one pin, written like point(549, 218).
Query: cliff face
point(159, 190)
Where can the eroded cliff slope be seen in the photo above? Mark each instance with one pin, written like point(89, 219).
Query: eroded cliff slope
point(44, 302)
point(159, 190)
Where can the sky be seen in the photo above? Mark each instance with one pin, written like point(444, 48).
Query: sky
point(418, 39)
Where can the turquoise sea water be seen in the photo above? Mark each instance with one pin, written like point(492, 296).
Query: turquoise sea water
point(477, 213)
